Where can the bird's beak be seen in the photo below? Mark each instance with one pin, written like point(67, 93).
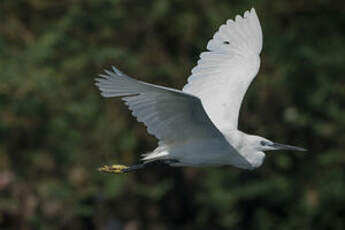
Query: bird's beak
point(278, 146)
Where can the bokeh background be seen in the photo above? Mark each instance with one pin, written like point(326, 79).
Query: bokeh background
point(55, 129)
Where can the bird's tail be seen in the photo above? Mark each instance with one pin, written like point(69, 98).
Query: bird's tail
point(160, 153)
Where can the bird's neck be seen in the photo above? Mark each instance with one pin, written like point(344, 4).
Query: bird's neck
point(235, 138)
point(239, 140)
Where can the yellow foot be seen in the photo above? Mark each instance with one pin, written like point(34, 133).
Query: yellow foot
point(116, 169)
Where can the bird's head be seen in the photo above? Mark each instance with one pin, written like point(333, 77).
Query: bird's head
point(263, 144)
point(253, 147)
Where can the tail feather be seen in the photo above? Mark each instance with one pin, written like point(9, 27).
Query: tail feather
point(160, 153)
point(154, 156)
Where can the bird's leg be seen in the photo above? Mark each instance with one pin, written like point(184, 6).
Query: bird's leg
point(134, 167)
point(118, 169)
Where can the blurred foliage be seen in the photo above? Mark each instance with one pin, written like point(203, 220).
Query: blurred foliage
point(55, 129)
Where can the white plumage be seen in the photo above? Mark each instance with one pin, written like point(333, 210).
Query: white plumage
point(198, 125)
point(224, 73)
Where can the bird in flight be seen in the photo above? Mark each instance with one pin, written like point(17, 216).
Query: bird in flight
point(197, 126)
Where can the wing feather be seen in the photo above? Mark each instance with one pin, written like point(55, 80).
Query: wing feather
point(170, 115)
point(225, 71)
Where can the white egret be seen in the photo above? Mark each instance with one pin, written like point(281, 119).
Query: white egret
point(197, 126)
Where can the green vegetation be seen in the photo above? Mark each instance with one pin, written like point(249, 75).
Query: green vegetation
point(55, 129)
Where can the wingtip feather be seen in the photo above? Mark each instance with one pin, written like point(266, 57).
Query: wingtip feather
point(241, 35)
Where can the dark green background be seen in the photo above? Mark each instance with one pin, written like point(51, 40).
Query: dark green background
point(55, 129)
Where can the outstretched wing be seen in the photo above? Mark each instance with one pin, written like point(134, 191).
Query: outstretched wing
point(224, 73)
point(171, 115)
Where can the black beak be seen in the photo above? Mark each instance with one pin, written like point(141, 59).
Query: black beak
point(287, 147)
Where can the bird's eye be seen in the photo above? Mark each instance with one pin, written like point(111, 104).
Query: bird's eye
point(226, 42)
point(263, 143)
